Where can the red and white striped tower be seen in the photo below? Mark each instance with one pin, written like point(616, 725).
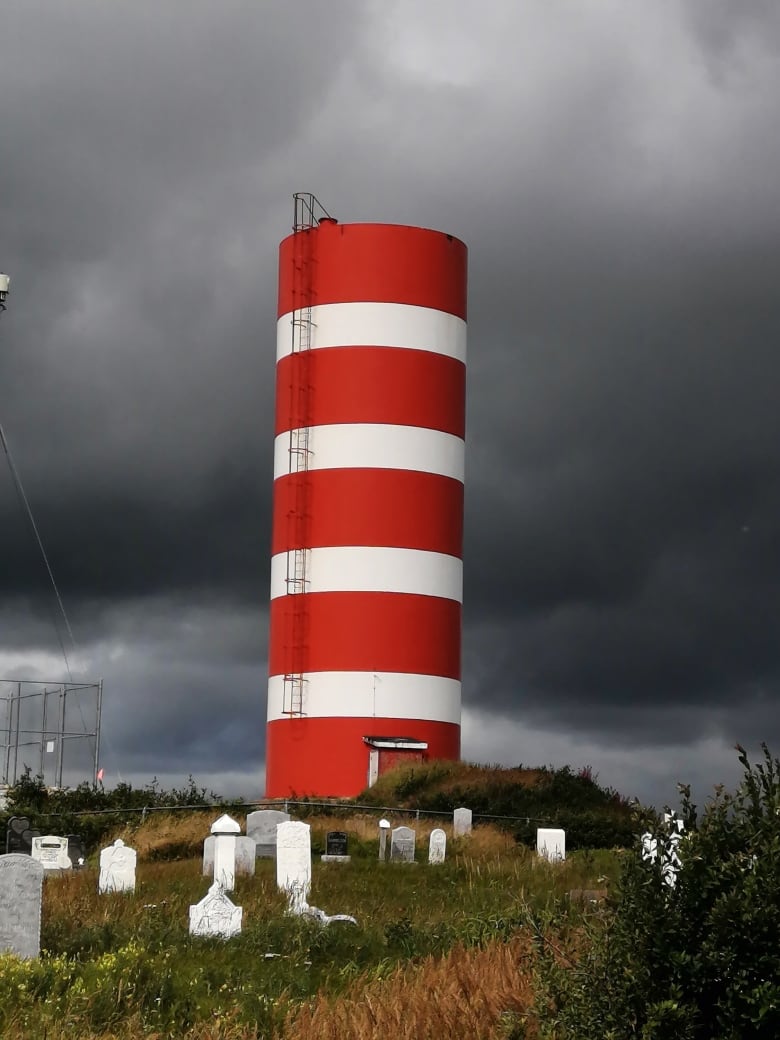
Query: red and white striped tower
point(366, 570)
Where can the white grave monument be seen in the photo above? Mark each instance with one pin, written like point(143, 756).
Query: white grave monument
point(117, 868)
point(384, 830)
point(551, 844)
point(225, 830)
point(437, 846)
point(215, 915)
point(293, 871)
point(246, 855)
point(461, 822)
point(51, 851)
point(293, 863)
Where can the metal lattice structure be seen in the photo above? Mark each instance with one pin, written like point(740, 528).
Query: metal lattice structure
point(50, 728)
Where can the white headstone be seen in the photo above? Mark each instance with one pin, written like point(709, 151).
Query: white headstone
point(437, 846)
point(215, 915)
point(21, 884)
point(225, 830)
point(261, 825)
point(461, 822)
point(293, 863)
point(117, 868)
point(551, 844)
point(384, 830)
point(208, 856)
point(402, 845)
point(51, 851)
point(246, 855)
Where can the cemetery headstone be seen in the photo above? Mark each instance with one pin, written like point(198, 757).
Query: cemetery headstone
point(14, 840)
point(293, 863)
point(215, 915)
point(336, 848)
point(261, 825)
point(225, 830)
point(51, 851)
point(402, 845)
point(117, 868)
point(551, 844)
point(21, 885)
point(461, 822)
point(384, 830)
point(246, 856)
point(77, 851)
point(437, 846)
point(208, 856)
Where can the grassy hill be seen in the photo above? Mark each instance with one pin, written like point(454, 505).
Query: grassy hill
point(592, 816)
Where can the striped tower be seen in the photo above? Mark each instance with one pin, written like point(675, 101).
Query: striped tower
point(366, 571)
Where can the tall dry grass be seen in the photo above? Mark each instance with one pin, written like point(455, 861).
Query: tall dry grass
point(463, 996)
point(182, 834)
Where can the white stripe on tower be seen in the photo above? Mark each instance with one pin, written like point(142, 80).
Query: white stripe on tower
point(377, 446)
point(390, 325)
point(398, 695)
point(369, 568)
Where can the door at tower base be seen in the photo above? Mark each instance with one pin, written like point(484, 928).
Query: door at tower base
point(330, 757)
point(386, 753)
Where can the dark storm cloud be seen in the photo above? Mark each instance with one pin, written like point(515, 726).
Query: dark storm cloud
point(613, 172)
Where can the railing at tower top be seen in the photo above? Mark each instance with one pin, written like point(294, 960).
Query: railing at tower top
point(308, 211)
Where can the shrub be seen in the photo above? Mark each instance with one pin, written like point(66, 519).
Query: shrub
point(696, 960)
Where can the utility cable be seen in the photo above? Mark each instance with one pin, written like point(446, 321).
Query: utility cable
point(34, 527)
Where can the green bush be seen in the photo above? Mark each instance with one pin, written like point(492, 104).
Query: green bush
point(697, 960)
point(95, 812)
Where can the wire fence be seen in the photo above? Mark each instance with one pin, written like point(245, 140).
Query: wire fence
point(337, 808)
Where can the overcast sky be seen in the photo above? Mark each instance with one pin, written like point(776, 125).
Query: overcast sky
point(614, 170)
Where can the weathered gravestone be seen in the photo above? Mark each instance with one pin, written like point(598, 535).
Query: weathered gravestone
point(551, 844)
point(117, 868)
point(402, 845)
point(19, 835)
point(336, 848)
point(246, 856)
point(21, 884)
point(461, 822)
point(51, 851)
point(437, 846)
point(293, 863)
point(215, 915)
point(14, 842)
point(77, 851)
point(261, 825)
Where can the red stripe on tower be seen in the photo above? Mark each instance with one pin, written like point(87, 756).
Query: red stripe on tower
point(366, 576)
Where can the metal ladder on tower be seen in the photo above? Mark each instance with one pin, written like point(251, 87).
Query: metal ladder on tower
point(299, 450)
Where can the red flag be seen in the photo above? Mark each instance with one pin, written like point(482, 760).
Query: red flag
point(100, 774)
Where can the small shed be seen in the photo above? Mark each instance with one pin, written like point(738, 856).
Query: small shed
point(385, 753)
